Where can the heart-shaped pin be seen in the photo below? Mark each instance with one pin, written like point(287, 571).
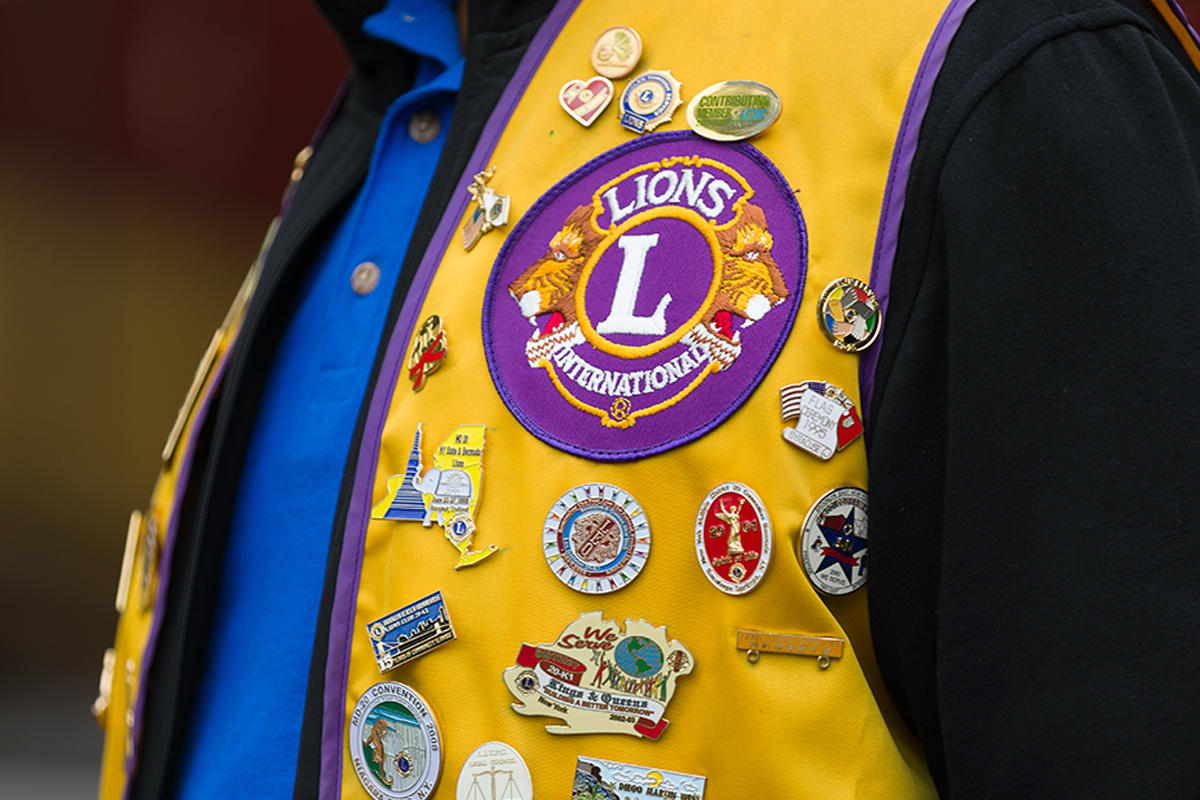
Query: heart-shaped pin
point(585, 101)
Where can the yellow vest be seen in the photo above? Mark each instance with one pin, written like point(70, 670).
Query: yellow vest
point(512, 440)
point(544, 423)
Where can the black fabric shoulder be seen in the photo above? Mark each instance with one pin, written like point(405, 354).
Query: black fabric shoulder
point(1031, 474)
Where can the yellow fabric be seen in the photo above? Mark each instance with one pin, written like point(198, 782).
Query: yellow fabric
point(781, 727)
point(1179, 29)
point(135, 622)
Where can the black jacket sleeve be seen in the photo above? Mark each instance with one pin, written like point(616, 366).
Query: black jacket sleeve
point(1034, 480)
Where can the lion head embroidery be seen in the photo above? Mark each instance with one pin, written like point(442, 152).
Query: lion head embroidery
point(751, 283)
point(547, 287)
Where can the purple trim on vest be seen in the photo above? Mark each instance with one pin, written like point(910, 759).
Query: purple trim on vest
point(164, 558)
point(337, 664)
point(1183, 18)
point(888, 234)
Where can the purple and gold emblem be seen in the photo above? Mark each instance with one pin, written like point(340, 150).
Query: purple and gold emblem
point(660, 280)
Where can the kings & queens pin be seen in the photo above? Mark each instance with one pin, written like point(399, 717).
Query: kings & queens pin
point(598, 678)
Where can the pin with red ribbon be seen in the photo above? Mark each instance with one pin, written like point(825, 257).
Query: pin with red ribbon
point(428, 351)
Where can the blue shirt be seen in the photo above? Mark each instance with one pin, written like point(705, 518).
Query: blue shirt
point(242, 738)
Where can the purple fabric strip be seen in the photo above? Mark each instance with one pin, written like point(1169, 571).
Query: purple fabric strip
point(888, 234)
point(1183, 18)
point(182, 474)
point(349, 568)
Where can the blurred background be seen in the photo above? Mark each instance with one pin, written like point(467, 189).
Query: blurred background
point(144, 147)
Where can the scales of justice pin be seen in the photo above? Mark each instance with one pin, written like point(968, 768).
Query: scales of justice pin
point(448, 492)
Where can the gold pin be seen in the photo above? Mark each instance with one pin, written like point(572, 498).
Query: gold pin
point(428, 351)
point(822, 648)
point(491, 209)
point(616, 51)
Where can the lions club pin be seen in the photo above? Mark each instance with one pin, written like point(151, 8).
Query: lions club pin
point(410, 632)
point(649, 100)
point(733, 538)
point(494, 771)
point(848, 313)
point(826, 419)
point(596, 538)
point(395, 746)
point(834, 541)
point(598, 678)
point(448, 492)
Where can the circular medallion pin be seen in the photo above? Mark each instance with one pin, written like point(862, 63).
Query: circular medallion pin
point(616, 51)
point(733, 538)
point(394, 742)
point(494, 770)
point(834, 541)
point(848, 313)
point(596, 538)
point(731, 111)
point(649, 100)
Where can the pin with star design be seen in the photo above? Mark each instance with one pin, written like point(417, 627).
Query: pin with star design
point(834, 541)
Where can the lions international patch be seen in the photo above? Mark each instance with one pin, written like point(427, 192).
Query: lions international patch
point(660, 281)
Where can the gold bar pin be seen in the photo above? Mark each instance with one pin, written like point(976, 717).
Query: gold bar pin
point(131, 543)
point(823, 648)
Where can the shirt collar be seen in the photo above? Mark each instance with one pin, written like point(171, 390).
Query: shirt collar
point(424, 27)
